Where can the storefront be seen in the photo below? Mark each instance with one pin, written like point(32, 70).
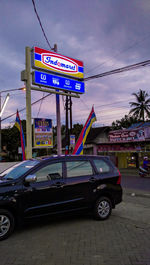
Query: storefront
point(127, 156)
point(130, 146)
point(126, 148)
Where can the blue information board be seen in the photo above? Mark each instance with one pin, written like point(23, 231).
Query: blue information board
point(58, 82)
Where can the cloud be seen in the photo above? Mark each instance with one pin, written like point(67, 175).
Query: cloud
point(105, 35)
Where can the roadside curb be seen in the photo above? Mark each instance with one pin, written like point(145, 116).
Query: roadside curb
point(136, 193)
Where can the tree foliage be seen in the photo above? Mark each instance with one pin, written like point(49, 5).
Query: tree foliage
point(11, 139)
point(124, 123)
point(77, 128)
point(141, 107)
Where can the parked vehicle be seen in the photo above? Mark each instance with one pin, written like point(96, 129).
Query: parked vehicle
point(41, 187)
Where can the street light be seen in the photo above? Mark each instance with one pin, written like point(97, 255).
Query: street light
point(3, 107)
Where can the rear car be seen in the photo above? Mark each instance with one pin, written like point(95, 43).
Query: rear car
point(61, 184)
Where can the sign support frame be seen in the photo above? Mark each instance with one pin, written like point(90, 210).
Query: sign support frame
point(28, 104)
point(26, 77)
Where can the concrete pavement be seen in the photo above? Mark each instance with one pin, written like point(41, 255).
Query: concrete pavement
point(120, 240)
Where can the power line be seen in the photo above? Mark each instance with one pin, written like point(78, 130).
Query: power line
point(40, 105)
point(25, 107)
point(105, 105)
point(119, 70)
point(41, 24)
point(120, 52)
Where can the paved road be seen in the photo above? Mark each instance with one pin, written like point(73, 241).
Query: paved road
point(5, 165)
point(124, 239)
point(136, 182)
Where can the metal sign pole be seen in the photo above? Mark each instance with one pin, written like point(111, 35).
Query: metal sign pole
point(28, 104)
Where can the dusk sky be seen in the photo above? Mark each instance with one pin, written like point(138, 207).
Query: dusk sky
point(104, 34)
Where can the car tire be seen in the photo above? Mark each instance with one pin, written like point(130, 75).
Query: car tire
point(7, 223)
point(103, 208)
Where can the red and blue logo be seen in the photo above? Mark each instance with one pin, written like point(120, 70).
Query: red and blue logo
point(54, 62)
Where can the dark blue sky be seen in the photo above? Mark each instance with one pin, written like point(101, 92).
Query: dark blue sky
point(103, 34)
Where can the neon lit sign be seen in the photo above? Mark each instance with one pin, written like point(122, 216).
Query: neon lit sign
point(53, 62)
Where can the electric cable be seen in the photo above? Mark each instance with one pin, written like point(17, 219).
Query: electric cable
point(35, 10)
point(40, 106)
point(119, 70)
point(117, 54)
point(109, 104)
point(25, 107)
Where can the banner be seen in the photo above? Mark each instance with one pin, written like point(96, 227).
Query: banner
point(78, 150)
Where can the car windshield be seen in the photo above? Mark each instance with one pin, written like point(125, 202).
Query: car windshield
point(19, 169)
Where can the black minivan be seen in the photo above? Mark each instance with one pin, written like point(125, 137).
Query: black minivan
point(60, 184)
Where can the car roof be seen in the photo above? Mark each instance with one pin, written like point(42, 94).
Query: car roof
point(68, 157)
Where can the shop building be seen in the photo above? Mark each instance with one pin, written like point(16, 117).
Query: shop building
point(126, 148)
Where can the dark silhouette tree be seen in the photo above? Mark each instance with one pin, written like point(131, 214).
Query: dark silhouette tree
point(140, 108)
point(124, 123)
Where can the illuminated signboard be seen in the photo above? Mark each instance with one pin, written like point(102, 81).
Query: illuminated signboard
point(43, 135)
point(54, 62)
point(55, 81)
point(127, 135)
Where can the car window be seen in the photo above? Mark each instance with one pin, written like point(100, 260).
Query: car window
point(19, 169)
point(101, 166)
point(79, 168)
point(49, 172)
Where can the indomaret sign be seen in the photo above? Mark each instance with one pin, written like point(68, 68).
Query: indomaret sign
point(50, 70)
point(54, 62)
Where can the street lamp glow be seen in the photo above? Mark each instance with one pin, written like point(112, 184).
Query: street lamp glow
point(4, 105)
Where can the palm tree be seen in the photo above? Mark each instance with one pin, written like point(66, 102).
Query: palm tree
point(141, 108)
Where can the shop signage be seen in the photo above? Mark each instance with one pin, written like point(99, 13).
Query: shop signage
point(127, 135)
point(72, 139)
point(115, 148)
point(43, 135)
point(60, 64)
point(55, 81)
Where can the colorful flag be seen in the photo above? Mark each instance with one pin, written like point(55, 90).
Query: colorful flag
point(19, 126)
point(78, 150)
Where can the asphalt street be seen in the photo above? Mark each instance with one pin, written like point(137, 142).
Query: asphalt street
point(123, 239)
point(136, 182)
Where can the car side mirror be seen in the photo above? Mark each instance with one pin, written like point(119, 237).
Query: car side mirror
point(31, 178)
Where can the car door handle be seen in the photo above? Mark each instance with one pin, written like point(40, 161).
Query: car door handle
point(92, 179)
point(58, 185)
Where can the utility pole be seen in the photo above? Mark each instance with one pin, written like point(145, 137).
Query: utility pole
point(71, 149)
point(67, 132)
point(58, 117)
point(70, 115)
point(68, 106)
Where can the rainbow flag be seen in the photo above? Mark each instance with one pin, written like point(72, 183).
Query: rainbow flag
point(78, 150)
point(19, 126)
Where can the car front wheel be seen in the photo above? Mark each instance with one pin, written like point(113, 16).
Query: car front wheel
point(7, 223)
point(103, 208)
